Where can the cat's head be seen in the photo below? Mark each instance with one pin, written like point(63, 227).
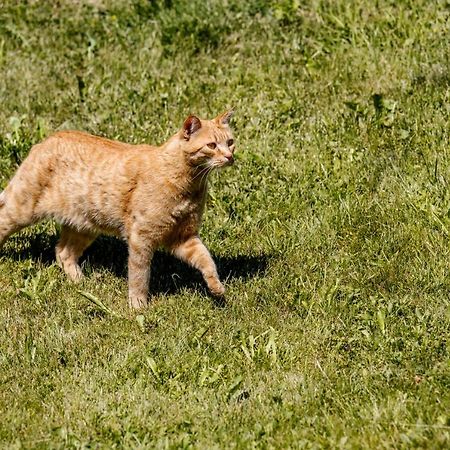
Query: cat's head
point(208, 143)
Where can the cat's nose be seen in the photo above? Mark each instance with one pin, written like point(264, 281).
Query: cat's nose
point(229, 157)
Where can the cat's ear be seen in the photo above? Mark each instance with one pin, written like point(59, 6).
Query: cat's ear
point(224, 118)
point(190, 126)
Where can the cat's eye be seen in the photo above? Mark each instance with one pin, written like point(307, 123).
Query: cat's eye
point(212, 145)
point(230, 142)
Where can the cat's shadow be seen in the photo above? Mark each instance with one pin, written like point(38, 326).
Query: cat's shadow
point(169, 275)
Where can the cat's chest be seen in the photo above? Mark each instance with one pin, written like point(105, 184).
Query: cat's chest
point(184, 209)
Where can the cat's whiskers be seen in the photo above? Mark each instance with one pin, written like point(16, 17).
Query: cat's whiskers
point(206, 167)
point(206, 173)
point(217, 164)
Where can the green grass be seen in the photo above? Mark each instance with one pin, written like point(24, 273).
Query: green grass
point(331, 231)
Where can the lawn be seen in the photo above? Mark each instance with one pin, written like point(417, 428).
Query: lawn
point(331, 231)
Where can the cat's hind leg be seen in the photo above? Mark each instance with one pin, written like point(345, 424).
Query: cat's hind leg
point(3, 228)
point(12, 217)
point(194, 252)
point(70, 247)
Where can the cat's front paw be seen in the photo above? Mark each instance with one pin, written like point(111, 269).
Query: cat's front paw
point(137, 302)
point(217, 289)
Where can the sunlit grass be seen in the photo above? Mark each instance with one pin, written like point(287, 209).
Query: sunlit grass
point(331, 231)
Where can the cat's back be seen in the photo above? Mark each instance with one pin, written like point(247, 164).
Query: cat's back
point(72, 150)
point(73, 161)
point(80, 140)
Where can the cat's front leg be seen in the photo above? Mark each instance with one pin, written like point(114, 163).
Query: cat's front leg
point(194, 252)
point(140, 253)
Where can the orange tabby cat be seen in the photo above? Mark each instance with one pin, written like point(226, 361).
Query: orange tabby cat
point(150, 196)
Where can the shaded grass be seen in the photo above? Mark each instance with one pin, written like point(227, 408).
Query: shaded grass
point(331, 231)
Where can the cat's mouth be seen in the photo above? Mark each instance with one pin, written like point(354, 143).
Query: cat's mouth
point(222, 163)
point(227, 161)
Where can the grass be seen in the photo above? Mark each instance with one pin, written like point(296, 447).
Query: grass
point(331, 231)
